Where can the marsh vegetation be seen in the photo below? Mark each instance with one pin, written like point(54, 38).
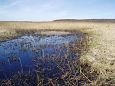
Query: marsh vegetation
point(92, 62)
point(41, 59)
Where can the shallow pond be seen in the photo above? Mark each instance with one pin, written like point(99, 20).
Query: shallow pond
point(31, 54)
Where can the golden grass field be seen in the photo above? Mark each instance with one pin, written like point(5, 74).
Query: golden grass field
point(101, 41)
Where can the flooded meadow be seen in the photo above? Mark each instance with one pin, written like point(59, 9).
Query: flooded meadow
point(37, 59)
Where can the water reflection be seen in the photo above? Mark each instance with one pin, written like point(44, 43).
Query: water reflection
point(30, 54)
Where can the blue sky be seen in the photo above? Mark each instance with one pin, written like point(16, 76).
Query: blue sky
point(44, 10)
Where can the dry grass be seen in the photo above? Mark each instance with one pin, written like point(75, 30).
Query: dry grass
point(7, 34)
point(101, 53)
point(54, 33)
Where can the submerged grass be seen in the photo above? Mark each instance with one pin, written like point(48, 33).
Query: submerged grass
point(97, 63)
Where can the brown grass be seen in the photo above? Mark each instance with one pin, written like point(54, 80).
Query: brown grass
point(101, 41)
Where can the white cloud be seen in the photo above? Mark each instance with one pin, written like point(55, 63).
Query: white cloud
point(33, 10)
point(54, 9)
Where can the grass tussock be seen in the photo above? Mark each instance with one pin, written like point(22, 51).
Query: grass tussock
point(7, 34)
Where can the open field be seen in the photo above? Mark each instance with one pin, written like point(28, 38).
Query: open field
point(101, 44)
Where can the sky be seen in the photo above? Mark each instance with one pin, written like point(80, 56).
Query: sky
point(45, 10)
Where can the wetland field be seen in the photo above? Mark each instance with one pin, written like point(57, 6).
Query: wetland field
point(57, 53)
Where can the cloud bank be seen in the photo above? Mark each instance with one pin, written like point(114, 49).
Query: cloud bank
point(43, 10)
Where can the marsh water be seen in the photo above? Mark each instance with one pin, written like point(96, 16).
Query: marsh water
point(31, 54)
